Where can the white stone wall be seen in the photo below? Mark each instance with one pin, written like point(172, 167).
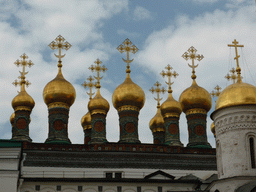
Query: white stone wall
point(106, 187)
point(9, 169)
point(233, 126)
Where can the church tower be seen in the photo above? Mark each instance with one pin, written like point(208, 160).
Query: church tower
point(156, 124)
point(195, 102)
point(98, 108)
point(171, 110)
point(22, 104)
point(59, 95)
point(86, 119)
point(128, 99)
point(235, 128)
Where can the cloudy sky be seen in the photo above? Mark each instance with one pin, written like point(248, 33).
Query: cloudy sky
point(162, 30)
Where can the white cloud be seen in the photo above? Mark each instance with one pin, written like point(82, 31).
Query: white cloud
point(141, 13)
point(205, 1)
point(122, 32)
point(39, 22)
point(209, 34)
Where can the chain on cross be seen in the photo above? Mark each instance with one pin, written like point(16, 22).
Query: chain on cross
point(217, 92)
point(60, 43)
point(157, 90)
point(238, 69)
point(169, 74)
point(23, 73)
point(90, 85)
point(191, 54)
point(98, 69)
point(127, 47)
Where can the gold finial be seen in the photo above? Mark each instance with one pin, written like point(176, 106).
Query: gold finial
point(98, 69)
point(191, 54)
point(217, 92)
point(90, 85)
point(22, 77)
point(238, 69)
point(232, 76)
point(127, 47)
point(158, 90)
point(169, 74)
point(59, 44)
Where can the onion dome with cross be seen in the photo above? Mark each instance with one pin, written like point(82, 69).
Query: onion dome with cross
point(23, 101)
point(156, 124)
point(86, 119)
point(98, 104)
point(128, 93)
point(238, 93)
point(194, 96)
point(170, 107)
point(59, 92)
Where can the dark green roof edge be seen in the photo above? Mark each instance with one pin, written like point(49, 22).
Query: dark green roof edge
point(9, 143)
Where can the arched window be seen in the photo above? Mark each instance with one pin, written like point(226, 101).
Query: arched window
point(216, 190)
point(252, 152)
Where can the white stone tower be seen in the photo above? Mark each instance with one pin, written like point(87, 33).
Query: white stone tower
point(235, 128)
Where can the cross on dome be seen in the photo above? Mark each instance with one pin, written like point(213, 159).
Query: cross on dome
point(127, 47)
point(169, 74)
point(191, 54)
point(98, 69)
point(238, 69)
point(157, 90)
point(232, 76)
point(59, 43)
point(90, 85)
point(217, 92)
point(23, 73)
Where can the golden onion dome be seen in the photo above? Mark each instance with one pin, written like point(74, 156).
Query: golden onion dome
point(98, 104)
point(213, 128)
point(128, 93)
point(86, 121)
point(12, 118)
point(157, 122)
point(59, 90)
point(23, 99)
point(195, 97)
point(236, 94)
point(171, 106)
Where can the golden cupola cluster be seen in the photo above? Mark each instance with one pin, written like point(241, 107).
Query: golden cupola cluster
point(128, 93)
point(23, 101)
point(194, 97)
point(238, 93)
point(98, 104)
point(59, 92)
point(156, 124)
point(170, 107)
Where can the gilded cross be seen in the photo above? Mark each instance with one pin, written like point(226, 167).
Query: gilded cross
point(60, 43)
point(127, 47)
point(157, 90)
point(169, 74)
point(98, 69)
point(238, 69)
point(24, 64)
point(232, 76)
point(90, 84)
point(191, 54)
point(217, 92)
